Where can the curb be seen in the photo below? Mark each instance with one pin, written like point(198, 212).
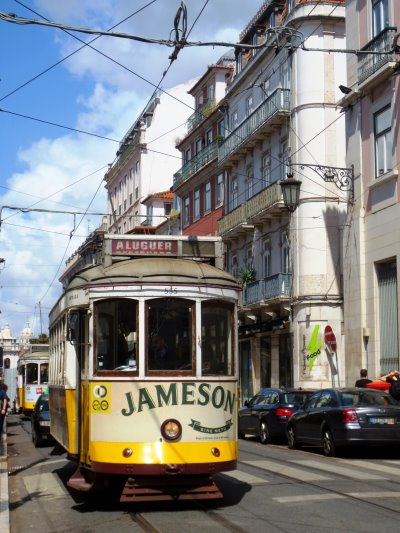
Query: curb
point(4, 503)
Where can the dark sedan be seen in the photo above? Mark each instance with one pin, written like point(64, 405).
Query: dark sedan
point(266, 415)
point(40, 420)
point(332, 418)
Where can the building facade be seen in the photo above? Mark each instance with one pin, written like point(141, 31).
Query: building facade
point(147, 158)
point(281, 118)
point(199, 184)
point(372, 248)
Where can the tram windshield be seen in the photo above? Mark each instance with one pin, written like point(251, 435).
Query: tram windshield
point(170, 334)
point(216, 338)
point(116, 334)
point(32, 372)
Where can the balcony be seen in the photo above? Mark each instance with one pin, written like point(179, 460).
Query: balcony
point(275, 287)
point(198, 116)
point(252, 129)
point(255, 208)
point(200, 160)
point(369, 64)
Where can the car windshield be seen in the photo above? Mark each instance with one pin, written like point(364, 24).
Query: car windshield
point(366, 398)
point(296, 398)
point(44, 404)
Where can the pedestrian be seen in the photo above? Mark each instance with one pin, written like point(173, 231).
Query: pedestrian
point(394, 379)
point(363, 381)
point(3, 405)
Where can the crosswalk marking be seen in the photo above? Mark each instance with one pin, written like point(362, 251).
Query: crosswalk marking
point(295, 473)
point(373, 466)
point(336, 469)
point(244, 477)
point(380, 494)
point(44, 486)
point(308, 498)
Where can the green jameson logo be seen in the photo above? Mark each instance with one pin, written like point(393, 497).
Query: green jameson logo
point(196, 425)
point(314, 347)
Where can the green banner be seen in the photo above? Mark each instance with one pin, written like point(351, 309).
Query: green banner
point(196, 425)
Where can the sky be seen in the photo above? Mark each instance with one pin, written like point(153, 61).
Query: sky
point(51, 85)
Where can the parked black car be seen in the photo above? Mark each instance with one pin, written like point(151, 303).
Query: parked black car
point(40, 420)
point(266, 415)
point(332, 418)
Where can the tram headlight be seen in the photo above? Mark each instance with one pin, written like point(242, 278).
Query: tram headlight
point(171, 429)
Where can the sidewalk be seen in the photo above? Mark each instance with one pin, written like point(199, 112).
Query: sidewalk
point(4, 509)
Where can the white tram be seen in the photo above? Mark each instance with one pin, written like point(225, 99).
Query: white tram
point(143, 366)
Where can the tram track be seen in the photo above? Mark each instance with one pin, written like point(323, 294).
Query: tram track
point(315, 484)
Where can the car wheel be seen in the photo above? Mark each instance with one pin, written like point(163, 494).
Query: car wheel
point(328, 444)
point(293, 443)
point(265, 436)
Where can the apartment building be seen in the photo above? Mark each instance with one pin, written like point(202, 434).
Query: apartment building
point(199, 184)
point(147, 159)
point(280, 119)
point(372, 248)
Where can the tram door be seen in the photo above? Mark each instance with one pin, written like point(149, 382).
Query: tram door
point(246, 381)
point(82, 383)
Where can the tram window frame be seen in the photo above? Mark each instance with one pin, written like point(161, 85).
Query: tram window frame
point(167, 332)
point(115, 336)
point(223, 349)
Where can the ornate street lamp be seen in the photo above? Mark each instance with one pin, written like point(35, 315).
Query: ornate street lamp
point(343, 178)
point(291, 192)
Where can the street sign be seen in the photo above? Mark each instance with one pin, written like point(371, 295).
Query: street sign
point(330, 338)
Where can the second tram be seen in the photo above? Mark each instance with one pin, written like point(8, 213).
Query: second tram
point(143, 366)
point(32, 377)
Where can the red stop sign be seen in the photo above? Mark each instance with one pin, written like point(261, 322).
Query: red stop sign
point(330, 338)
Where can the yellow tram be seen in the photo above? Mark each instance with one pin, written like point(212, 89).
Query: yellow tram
point(143, 366)
point(32, 377)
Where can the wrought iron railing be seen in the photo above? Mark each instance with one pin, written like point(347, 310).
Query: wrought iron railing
point(270, 288)
point(277, 103)
point(201, 159)
point(368, 64)
point(260, 202)
point(198, 116)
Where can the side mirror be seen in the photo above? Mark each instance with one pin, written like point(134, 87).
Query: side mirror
point(73, 327)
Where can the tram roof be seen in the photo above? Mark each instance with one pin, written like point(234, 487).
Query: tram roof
point(155, 270)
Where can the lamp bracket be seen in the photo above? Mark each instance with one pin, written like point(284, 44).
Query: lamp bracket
point(343, 178)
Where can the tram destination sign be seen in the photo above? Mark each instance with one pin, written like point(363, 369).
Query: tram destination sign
point(144, 247)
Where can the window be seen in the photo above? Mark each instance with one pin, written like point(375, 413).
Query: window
point(196, 204)
point(234, 193)
point(265, 88)
point(149, 215)
point(285, 252)
point(249, 105)
point(383, 142)
point(221, 128)
point(234, 119)
point(249, 184)
point(284, 158)
point(284, 74)
point(207, 197)
point(170, 323)
point(186, 211)
point(249, 256)
point(198, 146)
point(209, 138)
point(380, 16)
point(267, 256)
point(115, 330)
point(167, 208)
point(187, 155)
point(266, 170)
point(254, 42)
point(211, 92)
point(137, 168)
point(234, 265)
point(220, 189)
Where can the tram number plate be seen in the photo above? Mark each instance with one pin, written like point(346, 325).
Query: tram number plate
point(381, 420)
point(170, 291)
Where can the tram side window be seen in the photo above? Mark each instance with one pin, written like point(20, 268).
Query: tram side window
point(44, 373)
point(216, 338)
point(32, 373)
point(116, 335)
point(170, 334)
